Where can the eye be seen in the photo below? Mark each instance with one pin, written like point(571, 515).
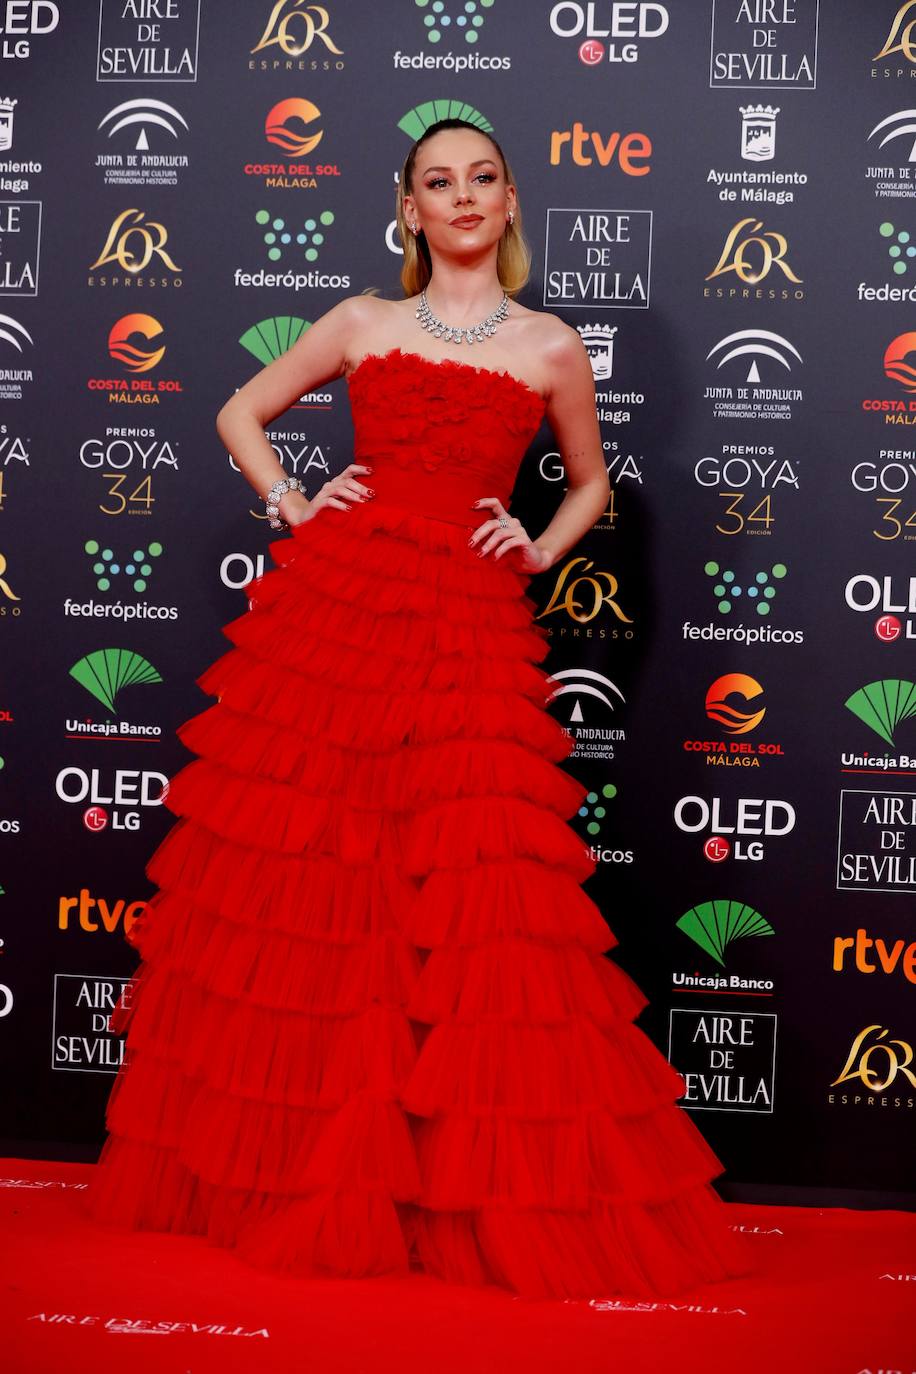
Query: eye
point(487, 176)
point(436, 181)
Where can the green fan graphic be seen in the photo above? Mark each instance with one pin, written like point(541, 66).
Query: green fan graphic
point(882, 705)
point(106, 671)
point(418, 120)
point(714, 925)
point(271, 338)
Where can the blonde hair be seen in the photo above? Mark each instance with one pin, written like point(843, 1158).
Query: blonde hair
point(513, 256)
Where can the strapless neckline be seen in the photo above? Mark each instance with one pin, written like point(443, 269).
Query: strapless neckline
point(448, 363)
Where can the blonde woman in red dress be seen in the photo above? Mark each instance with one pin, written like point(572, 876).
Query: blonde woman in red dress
point(374, 1027)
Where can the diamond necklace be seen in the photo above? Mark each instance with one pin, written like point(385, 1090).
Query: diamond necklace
point(461, 333)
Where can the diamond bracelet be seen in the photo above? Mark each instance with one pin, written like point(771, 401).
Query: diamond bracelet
point(272, 498)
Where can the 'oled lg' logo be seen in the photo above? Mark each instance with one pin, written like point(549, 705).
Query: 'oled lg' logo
point(129, 790)
point(865, 593)
point(618, 39)
point(752, 816)
point(21, 20)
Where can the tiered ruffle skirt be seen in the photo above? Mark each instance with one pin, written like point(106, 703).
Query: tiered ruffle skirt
point(373, 1026)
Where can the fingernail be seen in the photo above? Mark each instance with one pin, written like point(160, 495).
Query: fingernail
point(370, 491)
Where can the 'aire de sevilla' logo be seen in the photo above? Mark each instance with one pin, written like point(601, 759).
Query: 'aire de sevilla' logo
point(733, 702)
point(752, 253)
point(293, 29)
point(761, 44)
point(133, 244)
point(714, 927)
point(727, 1059)
point(131, 48)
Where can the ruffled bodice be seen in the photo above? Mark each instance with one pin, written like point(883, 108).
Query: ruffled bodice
point(440, 434)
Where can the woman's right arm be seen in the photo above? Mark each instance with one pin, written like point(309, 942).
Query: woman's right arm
point(317, 356)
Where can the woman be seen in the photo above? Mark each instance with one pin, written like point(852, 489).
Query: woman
point(374, 1026)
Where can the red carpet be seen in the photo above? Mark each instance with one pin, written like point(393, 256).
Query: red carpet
point(835, 1294)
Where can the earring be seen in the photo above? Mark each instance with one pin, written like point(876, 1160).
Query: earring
point(511, 216)
point(413, 229)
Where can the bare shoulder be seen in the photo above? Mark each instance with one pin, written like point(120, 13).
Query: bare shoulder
point(561, 354)
point(362, 312)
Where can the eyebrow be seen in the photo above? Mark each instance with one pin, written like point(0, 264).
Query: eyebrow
point(479, 163)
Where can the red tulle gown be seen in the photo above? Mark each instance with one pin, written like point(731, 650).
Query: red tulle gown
point(373, 1028)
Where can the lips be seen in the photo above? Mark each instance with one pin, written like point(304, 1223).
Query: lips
point(467, 221)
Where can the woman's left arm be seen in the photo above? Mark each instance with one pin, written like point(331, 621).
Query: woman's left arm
point(573, 419)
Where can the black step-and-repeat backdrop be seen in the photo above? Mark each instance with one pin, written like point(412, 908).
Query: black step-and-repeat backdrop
point(721, 198)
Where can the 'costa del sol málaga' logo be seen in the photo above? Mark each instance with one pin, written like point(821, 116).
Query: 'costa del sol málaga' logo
point(731, 718)
point(135, 359)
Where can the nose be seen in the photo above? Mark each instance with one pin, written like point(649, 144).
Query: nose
point(464, 194)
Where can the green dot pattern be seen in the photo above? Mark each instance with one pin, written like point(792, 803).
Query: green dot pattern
point(279, 235)
point(439, 23)
point(759, 592)
point(901, 251)
point(105, 566)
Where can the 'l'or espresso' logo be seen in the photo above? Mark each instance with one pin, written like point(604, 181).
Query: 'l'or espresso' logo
point(132, 243)
point(889, 1062)
point(281, 30)
point(900, 37)
point(744, 244)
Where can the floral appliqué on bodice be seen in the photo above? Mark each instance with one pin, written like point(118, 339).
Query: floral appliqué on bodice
point(429, 414)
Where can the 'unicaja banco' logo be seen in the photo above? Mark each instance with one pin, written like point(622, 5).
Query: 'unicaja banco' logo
point(716, 925)
point(883, 705)
point(270, 339)
point(105, 672)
